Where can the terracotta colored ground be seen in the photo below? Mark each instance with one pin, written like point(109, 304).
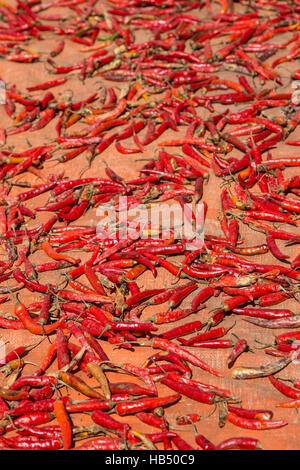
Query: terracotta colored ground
point(258, 393)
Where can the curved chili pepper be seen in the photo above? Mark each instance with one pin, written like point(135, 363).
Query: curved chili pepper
point(23, 315)
point(283, 388)
point(263, 371)
point(246, 443)
point(254, 424)
point(240, 347)
point(274, 248)
point(106, 421)
point(64, 422)
point(44, 444)
point(78, 384)
point(167, 345)
point(145, 404)
point(110, 114)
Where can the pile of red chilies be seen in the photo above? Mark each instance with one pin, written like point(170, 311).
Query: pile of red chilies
point(169, 84)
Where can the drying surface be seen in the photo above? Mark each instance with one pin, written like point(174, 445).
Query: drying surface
point(258, 393)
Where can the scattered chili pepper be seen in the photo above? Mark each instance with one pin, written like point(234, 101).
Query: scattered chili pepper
point(171, 85)
point(64, 422)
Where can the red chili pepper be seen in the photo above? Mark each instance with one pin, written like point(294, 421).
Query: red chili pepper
point(33, 382)
point(44, 444)
point(110, 114)
point(240, 347)
point(128, 388)
point(285, 322)
point(181, 444)
point(243, 443)
point(290, 404)
point(204, 443)
point(101, 443)
point(213, 343)
point(182, 330)
point(272, 299)
point(167, 102)
point(195, 394)
point(23, 315)
point(106, 421)
point(202, 337)
point(174, 315)
point(145, 404)
point(178, 296)
point(251, 413)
